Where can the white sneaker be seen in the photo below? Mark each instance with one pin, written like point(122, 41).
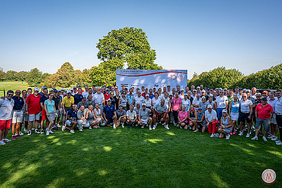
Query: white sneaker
point(47, 133)
point(80, 130)
point(212, 135)
point(274, 138)
point(122, 125)
point(248, 135)
point(270, 136)
point(142, 127)
point(72, 131)
point(163, 124)
point(32, 129)
point(58, 125)
point(177, 125)
point(196, 130)
point(42, 131)
point(6, 140)
point(114, 126)
point(255, 138)
point(181, 127)
point(240, 133)
point(154, 127)
point(36, 132)
point(51, 132)
point(227, 137)
point(21, 134)
point(29, 133)
point(90, 127)
point(63, 128)
point(174, 124)
point(278, 143)
point(150, 128)
point(264, 139)
point(166, 126)
point(253, 127)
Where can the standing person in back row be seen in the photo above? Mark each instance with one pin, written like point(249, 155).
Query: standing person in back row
point(33, 109)
point(278, 112)
point(17, 118)
point(246, 109)
point(6, 108)
point(67, 103)
point(221, 103)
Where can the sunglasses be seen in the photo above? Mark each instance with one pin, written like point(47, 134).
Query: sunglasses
point(10, 94)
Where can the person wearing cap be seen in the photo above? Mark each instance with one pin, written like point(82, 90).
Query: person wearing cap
point(263, 114)
point(273, 123)
point(137, 108)
point(246, 109)
point(99, 98)
point(66, 105)
point(42, 90)
point(237, 92)
point(234, 113)
point(131, 116)
point(148, 101)
point(199, 91)
point(278, 112)
point(33, 109)
point(91, 118)
point(107, 96)
point(221, 103)
point(109, 112)
point(143, 117)
point(71, 119)
point(256, 102)
point(43, 98)
point(130, 99)
point(50, 109)
point(139, 98)
point(225, 125)
point(156, 99)
point(58, 105)
point(203, 104)
point(200, 121)
point(74, 91)
point(84, 103)
point(204, 94)
point(211, 119)
point(123, 101)
point(194, 94)
point(121, 116)
point(196, 101)
point(160, 114)
point(51, 91)
point(186, 102)
point(183, 118)
point(6, 110)
point(176, 107)
point(17, 115)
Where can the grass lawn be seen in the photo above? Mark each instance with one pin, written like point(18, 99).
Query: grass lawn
point(134, 157)
point(13, 85)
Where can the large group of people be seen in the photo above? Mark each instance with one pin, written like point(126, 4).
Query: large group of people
point(221, 112)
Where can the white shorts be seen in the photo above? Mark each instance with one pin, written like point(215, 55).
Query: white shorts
point(33, 117)
point(25, 116)
point(145, 121)
point(51, 117)
point(234, 116)
point(273, 119)
point(68, 122)
point(17, 116)
point(81, 123)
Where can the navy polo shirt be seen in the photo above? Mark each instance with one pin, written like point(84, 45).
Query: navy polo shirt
point(43, 98)
point(109, 111)
point(72, 114)
point(77, 98)
point(18, 104)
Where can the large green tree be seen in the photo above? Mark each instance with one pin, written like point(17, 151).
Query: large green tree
point(127, 47)
point(11, 75)
point(21, 76)
point(34, 77)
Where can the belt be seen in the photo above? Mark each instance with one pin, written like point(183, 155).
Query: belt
point(279, 114)
point(18, 110)
point(245, 112)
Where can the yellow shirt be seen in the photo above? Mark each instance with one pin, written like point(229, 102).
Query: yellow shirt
point(68, 101)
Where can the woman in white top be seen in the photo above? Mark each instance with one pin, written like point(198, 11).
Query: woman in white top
point(156, 99)
point(148, 102)
point(91, 119)
point(167, 101)
point(186, 102)
point(123, 101)
point(181, 96)
point(98, 115)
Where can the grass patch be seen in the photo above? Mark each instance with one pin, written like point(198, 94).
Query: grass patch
point(134, 157)
point(13, 85)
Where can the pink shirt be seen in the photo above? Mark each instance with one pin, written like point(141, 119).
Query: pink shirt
point(182, 116)
point(175, 104)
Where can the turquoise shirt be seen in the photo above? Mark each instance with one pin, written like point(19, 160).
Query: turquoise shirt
point(50, 106)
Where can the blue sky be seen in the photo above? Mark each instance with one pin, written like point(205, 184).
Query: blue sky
point(194, 35)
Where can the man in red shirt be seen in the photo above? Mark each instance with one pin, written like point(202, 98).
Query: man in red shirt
point(263, 114)
point(33, 110)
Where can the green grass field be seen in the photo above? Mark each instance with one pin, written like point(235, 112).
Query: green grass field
point(134, 157)
point(12, 86)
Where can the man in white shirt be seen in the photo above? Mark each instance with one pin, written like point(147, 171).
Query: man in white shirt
point(99, 98)
point(211, 119)
point(160, 114)
point(221, 103)
point(278, 112)
point(273, 123)
point(131, 116)
point(6, 109)
point(196, 102)
point(139, 98)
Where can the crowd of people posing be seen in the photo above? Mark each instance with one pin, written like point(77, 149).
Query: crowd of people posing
point(199, 109)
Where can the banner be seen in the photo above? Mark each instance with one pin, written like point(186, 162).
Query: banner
point(151, 78)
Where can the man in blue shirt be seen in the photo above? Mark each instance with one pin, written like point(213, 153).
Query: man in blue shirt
point(17, 117)
point(71, 119)
point(78, 97)
point(110, 114)
point(130, 98)
point(43, 98)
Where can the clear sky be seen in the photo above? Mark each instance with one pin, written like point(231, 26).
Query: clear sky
point(194, 35)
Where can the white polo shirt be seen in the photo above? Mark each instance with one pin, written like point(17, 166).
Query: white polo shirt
point(130, 114)
point(221, 101)
point(6, 108)
point(272, 103)
point(246, 105)
point(210, 116)
point(139, 100)
point(278, 106)
point(98, 98)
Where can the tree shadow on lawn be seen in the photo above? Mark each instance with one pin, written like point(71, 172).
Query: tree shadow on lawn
point(136, 158)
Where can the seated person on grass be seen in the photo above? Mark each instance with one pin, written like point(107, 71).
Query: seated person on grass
point(201, 120)
point(81, 120)
point(183, 118)
point(92, 121)
point(160, 114)
point(71, 119)
point(110, 114)
point(131, 116)
point(225, 125)
point(143, 117)
point(121, 116)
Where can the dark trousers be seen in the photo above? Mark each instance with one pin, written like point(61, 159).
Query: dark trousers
point(175, 116)
point(279, 122)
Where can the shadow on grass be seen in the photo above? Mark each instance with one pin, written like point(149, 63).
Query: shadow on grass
point(134, 157)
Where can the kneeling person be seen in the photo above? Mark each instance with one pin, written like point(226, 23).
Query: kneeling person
point(161, 114)
point(81, 120)
point(71, 119)
point(144, 118)
point(110, 114)
point(121, 116)
point(131, 116)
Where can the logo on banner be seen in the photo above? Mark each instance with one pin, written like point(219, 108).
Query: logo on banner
point(180, 77)
point(268, 176)
point(173, 76)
